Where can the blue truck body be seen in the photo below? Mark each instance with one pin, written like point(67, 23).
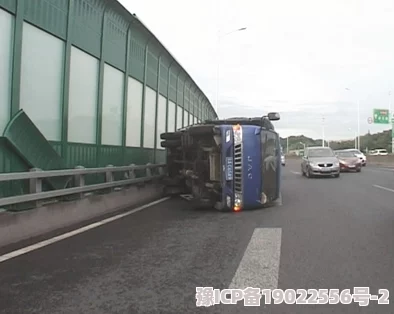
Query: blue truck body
point(232, 164)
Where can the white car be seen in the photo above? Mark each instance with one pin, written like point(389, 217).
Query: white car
point(358, 154)
point(379, 152)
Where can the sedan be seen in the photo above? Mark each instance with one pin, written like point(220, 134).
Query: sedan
point(349, 161)
point(320, 161)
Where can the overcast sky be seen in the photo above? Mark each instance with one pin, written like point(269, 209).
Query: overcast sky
point(296, 57)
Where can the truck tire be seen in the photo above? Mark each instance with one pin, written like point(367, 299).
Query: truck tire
point(202, 130)
point(170, 143)
point(170, 136)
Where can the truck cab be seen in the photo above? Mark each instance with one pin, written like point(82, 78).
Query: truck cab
point(230, 164)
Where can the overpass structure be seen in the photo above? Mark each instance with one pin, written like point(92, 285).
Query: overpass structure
point(86, 83)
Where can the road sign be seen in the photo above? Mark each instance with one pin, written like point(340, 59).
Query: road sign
point(381, 116)
point(370, 120)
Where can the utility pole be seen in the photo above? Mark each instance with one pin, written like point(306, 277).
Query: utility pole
point(358, 120)
point(391, 117)
point(358, 125)
point(287, 149)
point(218, 59)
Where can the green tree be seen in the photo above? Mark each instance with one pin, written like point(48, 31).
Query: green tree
point(368, 141)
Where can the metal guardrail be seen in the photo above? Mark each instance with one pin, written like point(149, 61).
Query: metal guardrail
point(36, 177)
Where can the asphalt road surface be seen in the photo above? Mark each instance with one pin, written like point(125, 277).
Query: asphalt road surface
point(327, 234)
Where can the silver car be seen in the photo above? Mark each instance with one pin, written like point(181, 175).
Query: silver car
point(320, 161)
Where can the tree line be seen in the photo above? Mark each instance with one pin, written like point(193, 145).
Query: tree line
point(368, 142)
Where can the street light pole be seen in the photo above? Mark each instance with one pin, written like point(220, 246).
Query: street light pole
point(287, 149)
point(358, 125)
point(323, 144)
point(391, 116)
point(355, 138)
point(358, 121)
point(219, 38)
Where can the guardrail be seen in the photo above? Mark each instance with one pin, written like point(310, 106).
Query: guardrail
point(37, 176)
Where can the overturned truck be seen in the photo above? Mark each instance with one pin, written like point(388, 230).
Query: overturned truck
point(230, 164)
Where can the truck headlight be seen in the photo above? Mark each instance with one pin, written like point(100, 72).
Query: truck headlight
point(237, 130)
point(237, 202)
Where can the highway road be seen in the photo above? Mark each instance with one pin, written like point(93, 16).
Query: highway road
point(327, 234)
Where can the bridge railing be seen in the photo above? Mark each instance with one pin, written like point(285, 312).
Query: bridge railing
point(152, 173)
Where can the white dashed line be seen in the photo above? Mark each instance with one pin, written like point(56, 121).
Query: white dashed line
point(383, 188)
point(41, 244)
point(259, 266)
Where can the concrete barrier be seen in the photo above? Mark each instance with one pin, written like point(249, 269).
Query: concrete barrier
point(387, 161)
point(19, 226)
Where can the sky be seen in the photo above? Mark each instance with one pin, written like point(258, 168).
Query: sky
point(309, 60)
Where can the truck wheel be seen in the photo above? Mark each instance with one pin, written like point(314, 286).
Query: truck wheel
point(202, 129)
point(170, 143)
point(170, 136)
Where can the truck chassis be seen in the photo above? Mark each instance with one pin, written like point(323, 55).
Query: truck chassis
point(193, 159)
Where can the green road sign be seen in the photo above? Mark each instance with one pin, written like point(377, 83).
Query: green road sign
point(381, 116)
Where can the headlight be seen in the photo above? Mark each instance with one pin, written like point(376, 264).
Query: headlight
point(237, 202)
point(237, 130)
point(336, 164)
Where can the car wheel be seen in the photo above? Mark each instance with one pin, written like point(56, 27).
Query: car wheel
point(308, 173)
point(336, 175)
point(359, 169)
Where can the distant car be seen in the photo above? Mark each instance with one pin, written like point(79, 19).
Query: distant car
point(320, 161)
point(379, 152)
point(358, 154)
point(348, 161)
point(283, 160)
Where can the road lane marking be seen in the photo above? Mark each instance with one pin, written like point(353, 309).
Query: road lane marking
point(383, 188)
point(295, 172)
point(259, 266)
point(58, 238)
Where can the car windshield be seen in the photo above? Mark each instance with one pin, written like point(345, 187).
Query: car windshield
point(354, 151)
point(345, 154)
point(320, 152)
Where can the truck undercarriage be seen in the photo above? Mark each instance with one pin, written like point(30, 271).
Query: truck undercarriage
point(194, 163)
